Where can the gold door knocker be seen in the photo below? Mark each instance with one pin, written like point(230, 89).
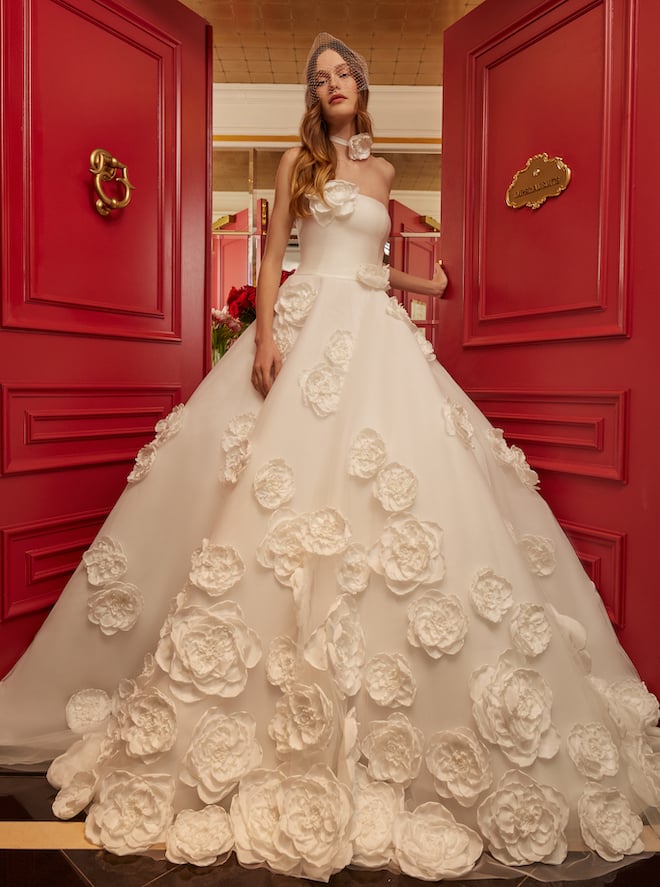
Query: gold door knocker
point(104, 168)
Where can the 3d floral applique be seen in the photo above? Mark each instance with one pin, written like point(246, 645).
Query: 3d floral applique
point(437, 623)
point(408, 553)
point(222, 750)
point(255, 818)
point(144, 460)
point(338, 644)
point(396, 309)
point(274, 485)
point(592, 750)
point(524, 821)
point(165, 429)
point(75, 795)
point(425, 346)
point(322, 387)
point(512, 457)
point(367, 454)
point(643, 767)
point(530, 629)
point(200, 837)
point(337, 202)
point(389, 681)
point(630, 704)
point(237, 446)
point(459, 764)
point(115, 606)
point(353, 570)
point(429, 844)
point(607, 823)
point(294, 302)
point(394, 749)
point(303, 722)
point(282, 549)
point(395, 487)
point(491, 595)
point(144, 721)
point(131, 812)
point(339, 349)
point(282, 662)
point(325, 531)
point(539, 554)
point(104, 561)
point(87, 710)
point(215, 569)
point(376, 805)
point(511, 706)
point(374, 277)
point(208, 651)
point(457, 423)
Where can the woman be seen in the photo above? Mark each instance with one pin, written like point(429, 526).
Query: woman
point(371, 644)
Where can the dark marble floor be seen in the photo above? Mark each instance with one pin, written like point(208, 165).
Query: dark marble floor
point(27, 798)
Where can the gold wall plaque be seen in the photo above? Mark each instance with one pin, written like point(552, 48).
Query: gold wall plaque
point(541, 178)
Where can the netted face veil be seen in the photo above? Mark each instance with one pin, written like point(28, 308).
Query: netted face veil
point(356, 64)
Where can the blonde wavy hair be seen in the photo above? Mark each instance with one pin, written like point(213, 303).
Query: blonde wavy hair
point(317, 161)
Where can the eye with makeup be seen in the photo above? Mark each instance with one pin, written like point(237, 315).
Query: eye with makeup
point(323, 77)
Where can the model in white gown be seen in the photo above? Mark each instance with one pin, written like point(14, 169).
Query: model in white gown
point(339, 625)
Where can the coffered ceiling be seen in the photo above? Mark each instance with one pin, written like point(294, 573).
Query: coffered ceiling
point(267, 41)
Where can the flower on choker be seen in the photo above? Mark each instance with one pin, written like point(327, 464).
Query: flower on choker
point(359, 146)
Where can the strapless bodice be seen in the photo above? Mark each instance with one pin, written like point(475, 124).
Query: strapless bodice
point(347, 231)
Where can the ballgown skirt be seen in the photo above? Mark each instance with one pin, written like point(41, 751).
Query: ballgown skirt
point(338, 626)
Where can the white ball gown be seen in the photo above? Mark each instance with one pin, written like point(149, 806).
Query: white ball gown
point(338, 626)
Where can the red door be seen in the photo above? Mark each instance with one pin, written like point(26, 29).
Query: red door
point(229, 257)
point(552, 316)
point(414, 248)
point(102, 318)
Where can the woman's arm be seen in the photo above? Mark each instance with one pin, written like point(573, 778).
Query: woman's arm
point(268, 360)
point(400, 280)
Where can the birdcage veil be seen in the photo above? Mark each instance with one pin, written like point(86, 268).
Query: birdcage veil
point(356, 62)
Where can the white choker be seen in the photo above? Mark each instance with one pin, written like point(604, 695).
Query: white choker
point(359, 146)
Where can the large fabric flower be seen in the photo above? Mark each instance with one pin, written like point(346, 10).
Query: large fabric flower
point(146, 722)
point(459, 764)
point(273, 484)
point(524, 822)
point(208, 651)
point(376, 804)
point(429, 844)
point(512, 457)
point(236, 445)
point(282, 662)
point(303, 720)
point(144, 460)
point(457, 422)
point(643, 769)
point(321, 388)
point(353, 571)
point(631, 706)
point(215, 568)
point(389, 680)
point(223, 748)
point(255, 816)
point(530, 630)
point(374, 277)
point(539, 553)
point(437, 623)
point(339, 349)
point(282, 549)
point(104, 561)
point(593, 751)
point(170, 425)
point(116, 606)
point(295, 300)
point(397, 310)
point(424, 345)
point(87, 710)
point(491, 595)
point(201, 837)
point(338, 644)
point(337, 202)
point(408, 553)
point(395, 487)
point(75, 795)
point(131, 812)
point(511, 707)
point(367, 453)
point(394, 749)
point(607, 823)
point(325, 532)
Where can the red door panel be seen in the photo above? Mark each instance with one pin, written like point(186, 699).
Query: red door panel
point(550, 320)
point(103, 320)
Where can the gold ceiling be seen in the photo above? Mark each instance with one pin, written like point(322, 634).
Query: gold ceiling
point(267, 41)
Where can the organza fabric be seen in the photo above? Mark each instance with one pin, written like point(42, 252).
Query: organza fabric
point(339, 626)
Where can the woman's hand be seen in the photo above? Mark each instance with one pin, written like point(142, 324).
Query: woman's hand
point(439, 279)
point(266, 366)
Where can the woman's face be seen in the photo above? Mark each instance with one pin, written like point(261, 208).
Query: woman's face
point(335, 87)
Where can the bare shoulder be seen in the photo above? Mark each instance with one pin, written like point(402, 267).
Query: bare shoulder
point(386, 169)
point(289, 158)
